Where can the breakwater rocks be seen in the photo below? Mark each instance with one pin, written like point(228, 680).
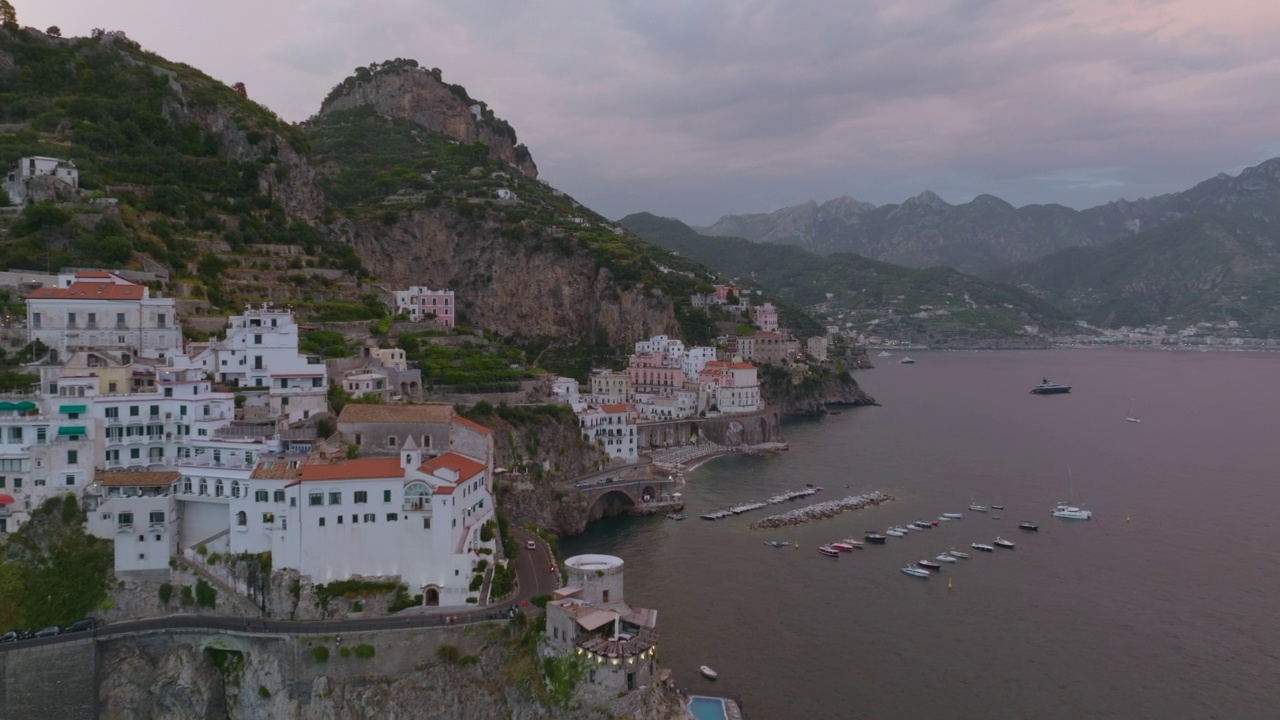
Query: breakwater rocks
point(821, 511)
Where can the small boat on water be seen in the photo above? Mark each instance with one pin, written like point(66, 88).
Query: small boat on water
point(944, 557)
point(907, 361)
point(953, 516)
point(915, 571)
point(960, 554)
point(945, 519)
point(675, 516)
point(853, 542)
point(776, 543)
point(1070, 512)
point(874, 538)
point(1003, 543)
point(842, 547)
point(929, 564)
point(982, 547)
point(997, 507)
point(909, 527)
point(1028, 525)
point(829, 551)
point(1132, 417)
point(1049, 388)
point(708, 673)
point(995, 517)
point(892, 532)
point(885, 353)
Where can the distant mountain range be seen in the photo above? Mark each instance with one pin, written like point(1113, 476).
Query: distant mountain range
point(938, 305)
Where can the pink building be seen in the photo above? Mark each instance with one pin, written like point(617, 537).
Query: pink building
point(766, 317)
point(654, 373)
point(422, 304)
point(722, 293)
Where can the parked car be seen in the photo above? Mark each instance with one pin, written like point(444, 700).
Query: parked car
point(49, 631)
point(82, 625)
point(11, 636)
point(531, 545)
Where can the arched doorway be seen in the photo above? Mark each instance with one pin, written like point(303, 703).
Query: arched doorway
point(431, 595)
point(649, 493)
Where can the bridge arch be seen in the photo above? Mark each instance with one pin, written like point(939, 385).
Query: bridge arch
point(613, 502)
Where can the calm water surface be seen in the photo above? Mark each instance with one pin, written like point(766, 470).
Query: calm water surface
point(1165, 605)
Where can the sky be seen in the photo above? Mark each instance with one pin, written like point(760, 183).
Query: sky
point(700, 108)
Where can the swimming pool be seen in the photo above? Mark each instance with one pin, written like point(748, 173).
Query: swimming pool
point(707, 708)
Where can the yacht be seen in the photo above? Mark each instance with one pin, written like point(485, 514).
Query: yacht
point(1071, 512)
point(982, 547)
point(944, 557)
point(1003, 543)
point(1050, 388)
point(842, 547)
point(953, 516)
point(874, 538)
point(915, 571)
point(829, 551)
point(960, 554)
point(891, 533)
point(978, 508)
point(928, 565)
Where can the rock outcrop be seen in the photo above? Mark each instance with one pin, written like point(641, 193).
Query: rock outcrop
point(418, 94)
point(808, 393)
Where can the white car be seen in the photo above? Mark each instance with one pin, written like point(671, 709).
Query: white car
point(531, 545)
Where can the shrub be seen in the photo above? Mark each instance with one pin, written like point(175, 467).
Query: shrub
point(188, 597)
point(365, 651)
point(344, 652)
point(201, 550)
point(473, 600)
point(320, 654)
point(540, 600)
point(263, 692)
point(206, 596)
point(476, 582)
point(468, 660)
point(166, 593)
point(448, 653)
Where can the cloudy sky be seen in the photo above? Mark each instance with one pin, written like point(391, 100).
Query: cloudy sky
point(699, 108)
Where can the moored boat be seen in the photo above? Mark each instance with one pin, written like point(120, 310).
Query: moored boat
point(853, 542)
point(885, 353)
point(891, 532)
point(907, 361)
point(929, 564)
point(915, 571)
point(997, 507)
point(829, 551)
point(1028, 525)
point(708, 673)
point(953, 516)
point(946, 558)
point(960, 554)
point(842, 547)
point(1004, 543)
point(1049, 388)
point(874, 538)
point(776, 543)
point(978, 508)
point(1071, 512)
point(982, 547)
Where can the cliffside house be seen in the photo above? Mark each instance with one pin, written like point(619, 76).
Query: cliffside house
point(97, 309)
point(733, 387)
point(17, 183)
point(612, 427)
point(137, 512)
point(423, 304)
point(608, 386)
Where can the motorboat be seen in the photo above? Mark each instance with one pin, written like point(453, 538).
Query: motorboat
point(944, 557)
point(929, 564)
point(875, 538)
point(997, 507)
point(982, 547)
point(907, 361)
point(842, 547)
point(708, 673)
point(995, 517)
point(960, 554)
point(1004, 543)
point(1070, 512)
point(1050, 388)
point(978, 508)
point(945, 519)
point(675, 516)
point(885, 353)
point(910, 526)
point(1028, 525)
point(924, 524)
point(853, 542)
point(829, 551)
point(891, 532)
point(915, 571)
point(776, 543)
point(1133, 418)
point(953, 516)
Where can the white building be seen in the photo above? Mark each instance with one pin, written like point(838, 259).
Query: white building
point(99, 309)
point(136, 511)
point(565, 390)
point(674, 406)
point(612, 427)
point(672, 348)
point(736, 387)
point(696, 358)
point(366, 382)
point(47, 448)
point(30, 168)
point(424, 304)
point(261, 351)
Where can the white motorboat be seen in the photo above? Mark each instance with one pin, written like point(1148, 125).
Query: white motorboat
point(912, 526)
point(842, 547)
point(1132, 417)
point(854, 543)
point(907, 361)
point(982, 547)
point(916, 571)
point(894, 533)
point(944, 557)
point(708, 673)
point(1070, 512)
point(978, 508)
point(945, 519)
point(829, 551)
point(953, 516)
point(1004, 543)
point(960, 554)
point(885, 353)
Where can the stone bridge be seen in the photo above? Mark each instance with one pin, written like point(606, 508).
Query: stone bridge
point(622, 491)
point(757, 428)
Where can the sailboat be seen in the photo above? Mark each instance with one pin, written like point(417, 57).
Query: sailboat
point(1132, 417)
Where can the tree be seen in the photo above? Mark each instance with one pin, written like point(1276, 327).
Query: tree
point(8, 16)
point(54, 30)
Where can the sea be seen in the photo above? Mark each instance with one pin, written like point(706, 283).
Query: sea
point(1165, 605)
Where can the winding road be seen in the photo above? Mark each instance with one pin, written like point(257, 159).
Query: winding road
point(533, 578)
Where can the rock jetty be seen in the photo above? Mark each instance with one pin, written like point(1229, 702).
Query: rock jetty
point(821, 511)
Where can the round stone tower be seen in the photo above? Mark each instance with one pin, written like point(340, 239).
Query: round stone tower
point(599, 576)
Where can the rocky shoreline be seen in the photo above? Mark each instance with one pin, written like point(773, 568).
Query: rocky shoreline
point(820, 511)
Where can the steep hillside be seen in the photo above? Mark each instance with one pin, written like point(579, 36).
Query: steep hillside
point(959, 307)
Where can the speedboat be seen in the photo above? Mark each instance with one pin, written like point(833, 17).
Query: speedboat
point(1003, 543)
point(953, 516)
point(945, 519)
point(929, 564)
point(853, 542)
point(885, 353)
point(924, 524)
point(960, 554)
point(911, 526)
point(874, 538)
point(983, 548)
point(915, 571)
point(907, 361)
point(946, 558)
point(708, 673)
point(891, 532)
point(997, 507)
point(1049, 388)
point(1028, 525)
point(842, 547)
point(829, 551)
point(1071, 513)
point(977, 508)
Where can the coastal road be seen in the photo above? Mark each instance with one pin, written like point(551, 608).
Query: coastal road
point(533, 575)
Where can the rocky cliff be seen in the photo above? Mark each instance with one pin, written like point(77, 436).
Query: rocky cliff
point(401, 89)
point(805, 393)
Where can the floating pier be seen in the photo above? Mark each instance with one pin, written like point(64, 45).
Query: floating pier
point(821, 511)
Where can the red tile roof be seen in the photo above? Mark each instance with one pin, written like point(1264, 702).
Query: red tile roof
point(368, 469)
point(459, 420)
point(89, 291)
point(466, 467)
point(618, 407)
point(94, 274)
point(136, 478)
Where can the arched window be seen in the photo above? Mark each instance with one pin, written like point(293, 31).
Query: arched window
point(417, 495)
point(242, 518)
point(204, 486)
point(186, 485)
point(217, 488)
point(235, 488)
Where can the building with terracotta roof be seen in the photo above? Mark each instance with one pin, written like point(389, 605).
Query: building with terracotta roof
point(99, 309)
point(612, 427)
point(136, 510)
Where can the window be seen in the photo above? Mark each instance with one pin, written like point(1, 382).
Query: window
point(361, 497)
point(426, 523)
point(278, 496)
point(354, 518)
point(42, 435)
point(71, 479)
point(315, 499)
point(161, 320)
point(35, 320)
point(359, 439)
point(157, 518)
point(321, 522)
point(317, 382)
point(386, 496)
point(124, 518)
point(391, 441)
point(168, 392)
point(73, 457)
point(260, 496)
point(17, 483)
point(257, 339)
point(155, 411)
point(369, 517)
point(268, 518)
point(391, 517)
point(71, 320)
point(113, 412)
point(339, 519)
point(293, 502)
point(2, 482)
point(335, 497)
point(426, 441)
point(135, 453)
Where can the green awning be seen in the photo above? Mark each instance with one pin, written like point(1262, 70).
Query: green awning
point(7, 406)
point(24, 406)
point(71, 430)
point(71, 409)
